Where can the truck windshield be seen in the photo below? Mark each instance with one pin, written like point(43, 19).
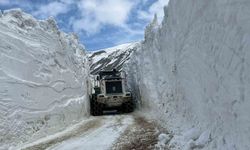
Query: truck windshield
point(113, 87)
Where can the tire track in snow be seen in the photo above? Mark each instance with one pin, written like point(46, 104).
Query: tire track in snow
point(75, 131)
point(142, 135)
point(101, 138)
point(97, 133)
point(103, 133)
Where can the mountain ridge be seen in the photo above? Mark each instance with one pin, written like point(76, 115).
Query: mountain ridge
point(110, 58)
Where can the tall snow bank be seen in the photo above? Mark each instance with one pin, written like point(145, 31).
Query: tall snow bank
point(192, 73)
point(43, 78)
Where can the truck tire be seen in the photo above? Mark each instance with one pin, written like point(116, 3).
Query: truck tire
point(92, 99)
point(96, 109)
point(128, 107)
point(91, 105)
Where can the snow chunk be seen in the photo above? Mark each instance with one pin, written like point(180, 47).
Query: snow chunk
point(191, 134)
point(163, 139)
point(203, 139)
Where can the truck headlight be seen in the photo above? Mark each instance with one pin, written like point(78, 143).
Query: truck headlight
point(100, 95)
point(128, 94)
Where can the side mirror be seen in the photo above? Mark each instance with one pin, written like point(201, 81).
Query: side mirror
point(97, 78)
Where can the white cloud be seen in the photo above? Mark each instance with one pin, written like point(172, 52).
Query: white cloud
point(52, 9)
point(155, 8)
point(97, 13)
point(4, 2)
point(93, 15)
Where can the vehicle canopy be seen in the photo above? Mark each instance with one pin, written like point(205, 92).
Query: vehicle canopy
point(109, 75)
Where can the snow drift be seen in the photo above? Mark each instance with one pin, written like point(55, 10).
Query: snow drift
point(192, 73)
point(43, 76)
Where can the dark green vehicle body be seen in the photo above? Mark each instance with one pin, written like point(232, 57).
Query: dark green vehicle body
point(110, 93)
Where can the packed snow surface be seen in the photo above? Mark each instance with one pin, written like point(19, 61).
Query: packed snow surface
point(101, 138)
point(192, 73)
point(94, 133)
point(110, 132)
point(43, 77)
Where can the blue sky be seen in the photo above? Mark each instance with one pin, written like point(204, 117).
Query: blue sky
point(98, 23)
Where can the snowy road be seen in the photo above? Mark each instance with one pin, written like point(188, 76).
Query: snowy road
point(100, 133)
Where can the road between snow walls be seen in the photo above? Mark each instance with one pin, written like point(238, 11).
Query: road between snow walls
point(104, 133)
point(44, 76)
point(190, 75)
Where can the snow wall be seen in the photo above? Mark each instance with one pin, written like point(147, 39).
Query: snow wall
point(192, 73)
point(43, 78)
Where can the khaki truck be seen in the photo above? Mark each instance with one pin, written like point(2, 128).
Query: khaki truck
point(110, 93)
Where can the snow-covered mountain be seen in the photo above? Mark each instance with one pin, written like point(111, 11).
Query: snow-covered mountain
point(192, 73)
point(43, 78)
point(110, 58)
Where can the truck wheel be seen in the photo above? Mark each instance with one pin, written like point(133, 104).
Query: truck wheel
point(91, 106)
point(128, 107)
point(97, 109)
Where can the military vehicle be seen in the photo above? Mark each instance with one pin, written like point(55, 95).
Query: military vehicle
point(110, 93)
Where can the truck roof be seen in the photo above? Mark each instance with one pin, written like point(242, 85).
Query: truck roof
point(110, 74)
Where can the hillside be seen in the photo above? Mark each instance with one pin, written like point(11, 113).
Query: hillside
point(110, 58)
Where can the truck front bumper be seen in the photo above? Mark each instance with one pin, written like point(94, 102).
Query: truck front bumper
point(113, 101)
